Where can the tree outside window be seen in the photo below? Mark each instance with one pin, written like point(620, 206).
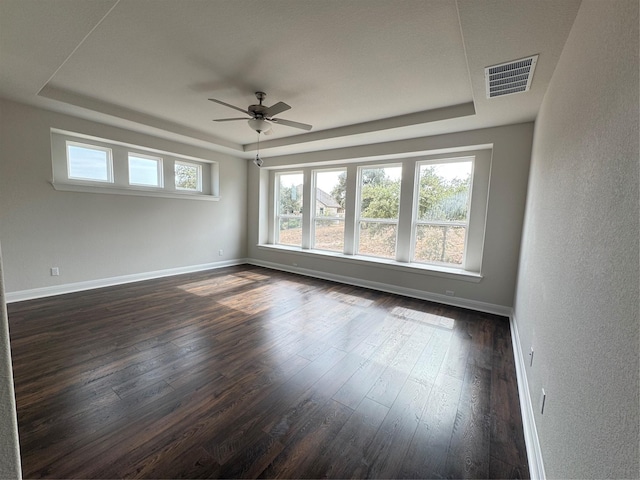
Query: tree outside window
point(443, 212)
point(289, 209)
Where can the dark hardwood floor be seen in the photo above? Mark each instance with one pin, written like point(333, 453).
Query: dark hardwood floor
point(248, 372)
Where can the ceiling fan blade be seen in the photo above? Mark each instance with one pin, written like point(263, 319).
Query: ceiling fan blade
point(276, 109)
point(229, 105)
point(228, 119)
point(289, 123)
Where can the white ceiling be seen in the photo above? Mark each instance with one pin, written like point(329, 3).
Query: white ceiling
point(360, 71)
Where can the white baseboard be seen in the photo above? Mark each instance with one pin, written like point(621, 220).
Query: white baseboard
point(385, 287)
point(42, 292)
point(534, 453)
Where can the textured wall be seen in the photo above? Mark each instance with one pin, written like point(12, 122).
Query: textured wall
point(577, 296)
point(9, 449)
point(96, 236)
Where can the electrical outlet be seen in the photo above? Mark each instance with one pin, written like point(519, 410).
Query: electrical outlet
point(220, 252)
point(450, 293)
point(543, 399)
point(531, 357)
point(55, 271)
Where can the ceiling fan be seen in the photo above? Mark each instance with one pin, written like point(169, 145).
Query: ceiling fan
point(262, 117)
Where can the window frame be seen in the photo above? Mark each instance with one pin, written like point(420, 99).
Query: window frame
point(384, 221)
point(198, 174)
point(470, 271)
point(416, 222)
point(278, 216)
point(315, 216)
point(120, 184)
point(159, 166)
point(87, 146)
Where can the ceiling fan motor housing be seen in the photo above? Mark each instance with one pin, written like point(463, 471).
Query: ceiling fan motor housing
point(257, 111)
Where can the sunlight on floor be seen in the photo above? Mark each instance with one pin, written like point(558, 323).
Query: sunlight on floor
point(216, 285)
point(422, 317)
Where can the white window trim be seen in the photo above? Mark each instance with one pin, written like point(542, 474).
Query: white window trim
point(276, 215)
point(108, 151)
point(417, 222)
point(120, 169)
point(358, 212)
point(159, 165)
point(315, 217)
point(199, 176)
point(479, 196)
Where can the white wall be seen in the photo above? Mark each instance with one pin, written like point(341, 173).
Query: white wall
point(91, 237)
point(9, 446)
point(577, 296)
point(507, 194)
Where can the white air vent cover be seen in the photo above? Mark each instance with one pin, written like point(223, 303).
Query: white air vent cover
point(509, 78)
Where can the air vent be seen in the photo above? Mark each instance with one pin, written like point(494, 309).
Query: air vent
point(509, 78)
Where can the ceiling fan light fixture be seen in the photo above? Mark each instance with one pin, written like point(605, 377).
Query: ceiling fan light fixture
point(260, 125)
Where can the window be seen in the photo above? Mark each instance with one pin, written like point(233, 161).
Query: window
point(379, 209)
point(89, 162)
point(188, 176)
point(329, 212)
point(289, 203)
point(424, 213)
point(442, 213)
point(145, 170)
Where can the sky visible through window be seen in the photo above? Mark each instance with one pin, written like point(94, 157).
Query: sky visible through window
point(88, 163)
point(448, 171)
point(143, 171)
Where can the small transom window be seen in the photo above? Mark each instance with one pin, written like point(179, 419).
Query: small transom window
point(89, 162)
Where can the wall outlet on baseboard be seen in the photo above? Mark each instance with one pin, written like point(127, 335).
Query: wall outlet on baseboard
point(55, 271)
point(450, 293)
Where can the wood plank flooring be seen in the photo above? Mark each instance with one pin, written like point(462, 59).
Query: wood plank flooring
point(245, 372)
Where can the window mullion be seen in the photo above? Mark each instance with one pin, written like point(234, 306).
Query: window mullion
point(307, 204)
point(350, 210)
point(405, 217)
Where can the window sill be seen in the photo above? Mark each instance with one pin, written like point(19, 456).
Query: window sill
point(140, 192)
point(433, 270)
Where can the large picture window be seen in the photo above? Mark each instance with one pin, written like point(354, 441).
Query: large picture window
point(426, 213)
point(289, 209)
point(379, 209)
point(442, 214)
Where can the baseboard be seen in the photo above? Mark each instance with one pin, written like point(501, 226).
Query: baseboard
point(534, 453)
point(385, 287)
point(42, 292)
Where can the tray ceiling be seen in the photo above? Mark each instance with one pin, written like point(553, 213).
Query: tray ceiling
point(363, 71)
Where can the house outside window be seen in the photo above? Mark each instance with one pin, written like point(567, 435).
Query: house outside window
point(289, 202)
point(328, 216)
point(427, 213)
